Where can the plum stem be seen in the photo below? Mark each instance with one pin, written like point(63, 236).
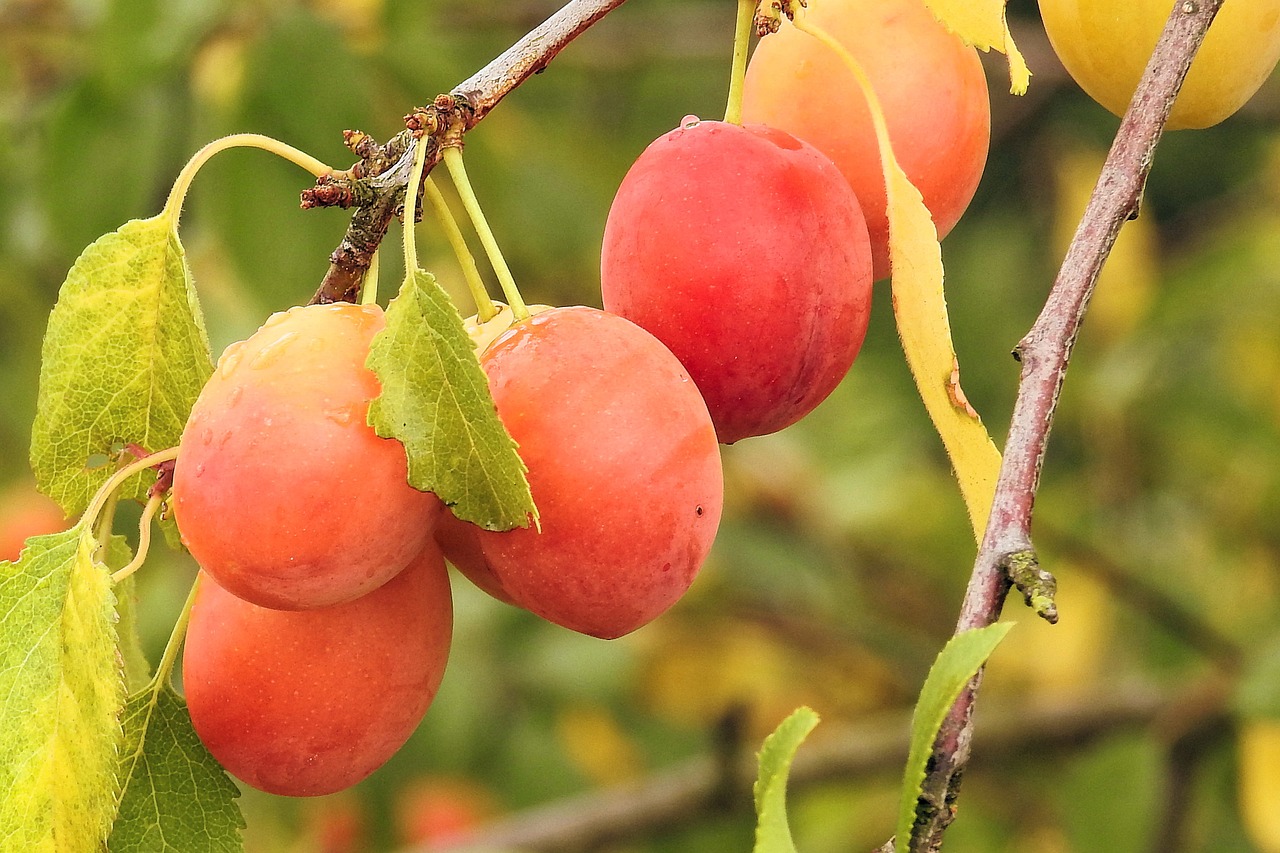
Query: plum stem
point(369, 287)
point(457, 171)
point(741, 45)
point(410, 215)
point(176, 637)
point(178, 194)
point(485, 309)
point(109, 488)
point(144, 538)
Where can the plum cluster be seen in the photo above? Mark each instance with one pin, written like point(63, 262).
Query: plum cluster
point(737, 269)
point(322, 620)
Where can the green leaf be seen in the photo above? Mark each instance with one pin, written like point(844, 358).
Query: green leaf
point(773, 835)
point(435, 399)
point(61, 692)
point(957, 663)
point(176, 797)
point(124, 357)
point(137, 670)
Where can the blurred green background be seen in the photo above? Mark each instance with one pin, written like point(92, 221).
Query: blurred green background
point(844, 551)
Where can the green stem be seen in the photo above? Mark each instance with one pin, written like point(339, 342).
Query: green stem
point(458, 172)
point(104, 494)
point(485, 309)
point(741, 45)
point(176, 637)
point(173, 206)
point(144, 539)
point(369, 287)
point(105, 523)
point(410, 215)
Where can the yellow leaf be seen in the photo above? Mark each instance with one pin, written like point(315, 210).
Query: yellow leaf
point(1259, 782)
point(982, 24)
point(597, 745)
point(920, 307)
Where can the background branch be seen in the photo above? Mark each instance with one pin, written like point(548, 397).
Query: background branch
point(690, 791)
point(1044, 354)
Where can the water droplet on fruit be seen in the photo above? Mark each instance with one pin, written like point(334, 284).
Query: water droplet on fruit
point(272, 351)
point(234, 396)
point(341, 417)
point(206, 437)
point(230, 359)
point(689, 121)
point(200, 470)
point(275, 319)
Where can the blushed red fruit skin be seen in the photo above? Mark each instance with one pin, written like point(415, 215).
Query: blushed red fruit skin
point(745, 252)
point(304, 703)
point(458, 542)
point(931, 87)
point(623, 465)
point(282, 491)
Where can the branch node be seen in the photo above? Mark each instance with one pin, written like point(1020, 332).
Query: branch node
point(1038, 587)
point(769, 15)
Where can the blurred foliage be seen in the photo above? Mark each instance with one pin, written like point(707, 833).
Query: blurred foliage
point(845, 549)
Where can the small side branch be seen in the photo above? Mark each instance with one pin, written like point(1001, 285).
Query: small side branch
point(377, 183)
point(1044, 354)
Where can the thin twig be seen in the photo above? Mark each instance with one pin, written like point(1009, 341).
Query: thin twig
point(1044, 354)
point(481, 93)
point(687, 793)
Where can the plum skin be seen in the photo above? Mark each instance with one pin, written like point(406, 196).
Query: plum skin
point(282, 491)
point(305, 703)
point(624, 468)
point(745, 252)
point(930, 85)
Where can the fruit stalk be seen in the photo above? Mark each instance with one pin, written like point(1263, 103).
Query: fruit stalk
point(741, 47)
point(1044, 354)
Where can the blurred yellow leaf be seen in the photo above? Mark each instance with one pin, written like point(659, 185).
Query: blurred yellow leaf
point(218, 71)
point(1259, 782)
point(1127, 283)
point(982, 24)
point(597, 745)
point(1057, 660)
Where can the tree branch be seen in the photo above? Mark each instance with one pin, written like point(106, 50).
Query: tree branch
point(688, 792)
point(1045, 353)
point(379, 200)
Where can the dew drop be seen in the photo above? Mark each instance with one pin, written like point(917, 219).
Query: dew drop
point(341, 417)
point(271, 353)
point(200, 470)
point(234, 396)
point(689, 121)
point(230, 360)
point(206, 437)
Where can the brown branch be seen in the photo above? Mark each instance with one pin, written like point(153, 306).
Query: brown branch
point(1045, 353)
point(690, 791)
point(480, 93)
